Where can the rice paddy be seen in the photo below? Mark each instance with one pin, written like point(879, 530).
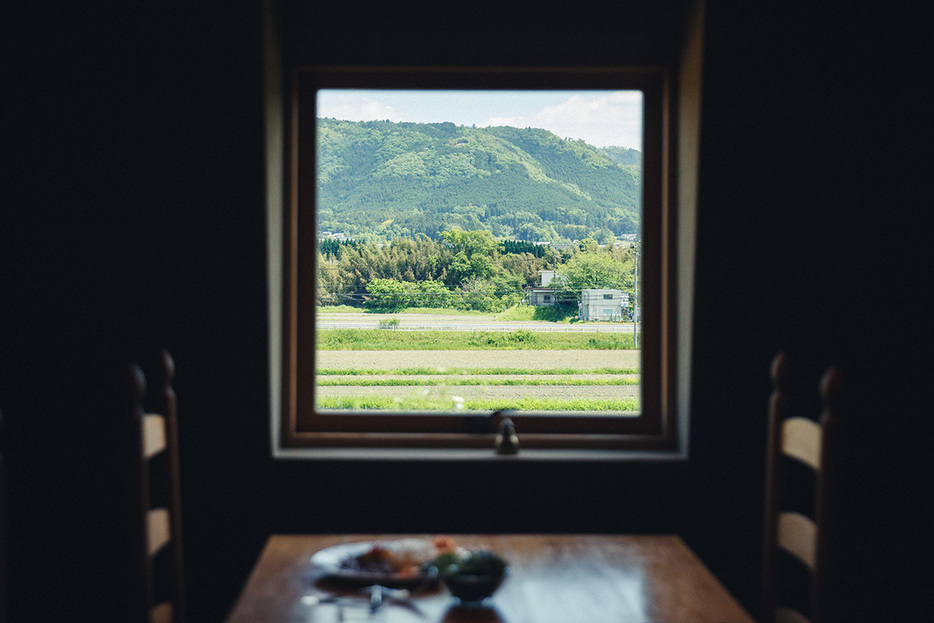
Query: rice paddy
point(383, 377)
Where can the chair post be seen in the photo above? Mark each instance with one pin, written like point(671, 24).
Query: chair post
point(827, 483)
point(773, 483)
point(141, 583)
point(166, 403)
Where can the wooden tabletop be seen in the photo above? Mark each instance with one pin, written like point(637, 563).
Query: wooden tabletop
point(552, 579)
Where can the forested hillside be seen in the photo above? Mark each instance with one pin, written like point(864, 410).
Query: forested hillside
point(381, 180)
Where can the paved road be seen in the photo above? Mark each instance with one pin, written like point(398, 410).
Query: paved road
point(443, 322)
point(579, 360)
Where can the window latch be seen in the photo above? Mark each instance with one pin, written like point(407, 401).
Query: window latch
point(507, 441)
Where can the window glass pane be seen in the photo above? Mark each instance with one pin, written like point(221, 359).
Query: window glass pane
point(460, 234)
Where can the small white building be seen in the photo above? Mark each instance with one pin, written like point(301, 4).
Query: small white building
point(547, 277)
point(604, 304)
point(540, 297)
point(544, 295)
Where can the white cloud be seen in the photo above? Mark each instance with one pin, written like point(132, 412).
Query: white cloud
point(350, 107)
point(613, 119)
point(518, 122)
point(599, 118)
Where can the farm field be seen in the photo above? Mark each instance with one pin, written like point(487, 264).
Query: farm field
point(338, 319)
point(582, 360)
point(577, 380)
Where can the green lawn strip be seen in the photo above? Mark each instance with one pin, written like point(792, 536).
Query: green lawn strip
point(471, 371)
point(435, 311)
point(472, 381)
point(357, 403)
point(520, 339)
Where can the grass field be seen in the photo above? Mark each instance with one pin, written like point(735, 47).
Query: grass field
point(419, 404)
point(516, 312)
point(458, 371)
point(510, 381)
point(521, 339)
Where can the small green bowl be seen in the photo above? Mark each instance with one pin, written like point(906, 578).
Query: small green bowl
point(473, 589)
point(473, 576)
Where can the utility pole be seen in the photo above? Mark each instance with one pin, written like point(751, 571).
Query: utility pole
point(635, 296)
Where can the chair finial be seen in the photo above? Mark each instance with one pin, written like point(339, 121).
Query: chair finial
point(830, 385)
point(136, 385)
point(164, 373)
point(779, 371)
point(831, 391)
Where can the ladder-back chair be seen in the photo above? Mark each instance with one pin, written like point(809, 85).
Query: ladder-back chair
point(813, 445)
point(154, 493)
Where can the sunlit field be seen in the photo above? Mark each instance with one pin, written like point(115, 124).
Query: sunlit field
point(476, 371)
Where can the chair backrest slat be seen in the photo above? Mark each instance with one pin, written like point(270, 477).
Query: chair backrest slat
point(787, 615)
point(162, 613)
point(153, 434)
point(797, 535)
point(158, 530)
point(801, 439)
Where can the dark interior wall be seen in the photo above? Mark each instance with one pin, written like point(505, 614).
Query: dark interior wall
point(137, 220)
point(811, 211)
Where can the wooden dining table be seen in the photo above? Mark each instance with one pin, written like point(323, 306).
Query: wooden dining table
point(551, 579)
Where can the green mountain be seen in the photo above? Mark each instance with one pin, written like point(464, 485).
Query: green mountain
point(379, 179)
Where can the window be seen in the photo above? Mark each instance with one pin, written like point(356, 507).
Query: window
point(608, 297)
point(302, 425)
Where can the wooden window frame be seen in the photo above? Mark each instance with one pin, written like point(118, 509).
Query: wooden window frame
point(656, 428)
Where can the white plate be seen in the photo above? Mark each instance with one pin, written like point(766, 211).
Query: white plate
point(328, 560)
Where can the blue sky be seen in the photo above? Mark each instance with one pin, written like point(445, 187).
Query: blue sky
point(602, 118)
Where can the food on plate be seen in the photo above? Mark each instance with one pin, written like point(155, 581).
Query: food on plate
point(400, 556)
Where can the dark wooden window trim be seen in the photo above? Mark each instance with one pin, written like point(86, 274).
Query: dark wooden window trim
point(657, 426)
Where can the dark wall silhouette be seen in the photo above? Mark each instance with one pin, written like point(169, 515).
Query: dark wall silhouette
point(137, 221)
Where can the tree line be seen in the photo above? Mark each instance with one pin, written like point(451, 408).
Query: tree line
point(467, 270)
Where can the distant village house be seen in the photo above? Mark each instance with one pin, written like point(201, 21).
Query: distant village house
point(604, 304)
point(596, 304)
point(543, 295)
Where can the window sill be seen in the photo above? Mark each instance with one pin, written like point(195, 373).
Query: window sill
point(477, 455)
